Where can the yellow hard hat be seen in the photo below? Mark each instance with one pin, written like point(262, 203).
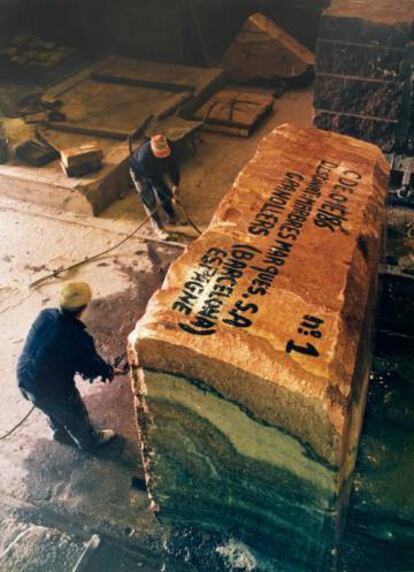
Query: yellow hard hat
point(74, 295)
point(160, 146)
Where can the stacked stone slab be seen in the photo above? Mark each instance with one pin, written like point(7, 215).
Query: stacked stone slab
point(251, 364)
point(364, 60)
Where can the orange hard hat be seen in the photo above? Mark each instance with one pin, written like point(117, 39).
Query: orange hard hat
point(160, 147)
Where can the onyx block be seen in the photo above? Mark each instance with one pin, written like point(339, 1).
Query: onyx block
point(250, 367)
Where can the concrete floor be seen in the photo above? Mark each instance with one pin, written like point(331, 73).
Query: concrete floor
point(50, 494)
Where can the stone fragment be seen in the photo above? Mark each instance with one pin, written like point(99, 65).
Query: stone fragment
point(262, 50)
point(86, 153)
point(251, 364)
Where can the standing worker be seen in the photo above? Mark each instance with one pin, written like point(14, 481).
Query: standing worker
point(150, 164)
point(57, 348)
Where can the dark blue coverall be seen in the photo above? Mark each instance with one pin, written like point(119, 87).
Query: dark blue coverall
point(57, 347)
point(150, 171)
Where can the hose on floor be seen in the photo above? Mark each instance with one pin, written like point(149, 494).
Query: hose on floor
point(56, 273)
point(59, 271)
point(187, 216)
point(13, 429)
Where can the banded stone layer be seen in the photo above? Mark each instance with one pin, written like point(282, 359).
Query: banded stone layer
point(363, 81)
point(251, 363)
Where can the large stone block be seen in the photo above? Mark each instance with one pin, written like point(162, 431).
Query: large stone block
point(251, 364)
point(364, 97)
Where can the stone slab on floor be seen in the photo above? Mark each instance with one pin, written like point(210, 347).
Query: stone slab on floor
point(28, 546)
point(189, 77)
point(363, 81)
point(251, 364)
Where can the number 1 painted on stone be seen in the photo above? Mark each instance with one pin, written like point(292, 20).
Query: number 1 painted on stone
point(309, 327)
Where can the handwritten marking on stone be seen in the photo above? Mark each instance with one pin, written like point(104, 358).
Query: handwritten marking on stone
point(310, 326)
point(228, 281)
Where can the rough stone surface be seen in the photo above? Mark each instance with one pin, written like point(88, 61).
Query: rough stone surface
point(251, 363)
point(349, 95)
point(39, 548)
point(375, 62)
point(262, 50)
point(363, 63)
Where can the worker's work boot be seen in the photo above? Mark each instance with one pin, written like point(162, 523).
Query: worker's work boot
point(162, 234)
point(96, 439)
point(157, 227)
point(103, 437)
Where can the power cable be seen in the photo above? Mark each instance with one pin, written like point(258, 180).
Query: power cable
point(13, 429)
point(187, 216)
point(94, 257)
point(59, 271)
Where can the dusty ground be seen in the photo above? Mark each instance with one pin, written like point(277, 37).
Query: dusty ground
point(53, 497)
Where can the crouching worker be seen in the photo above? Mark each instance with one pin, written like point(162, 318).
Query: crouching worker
point(58, 347)
point(150, 165)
